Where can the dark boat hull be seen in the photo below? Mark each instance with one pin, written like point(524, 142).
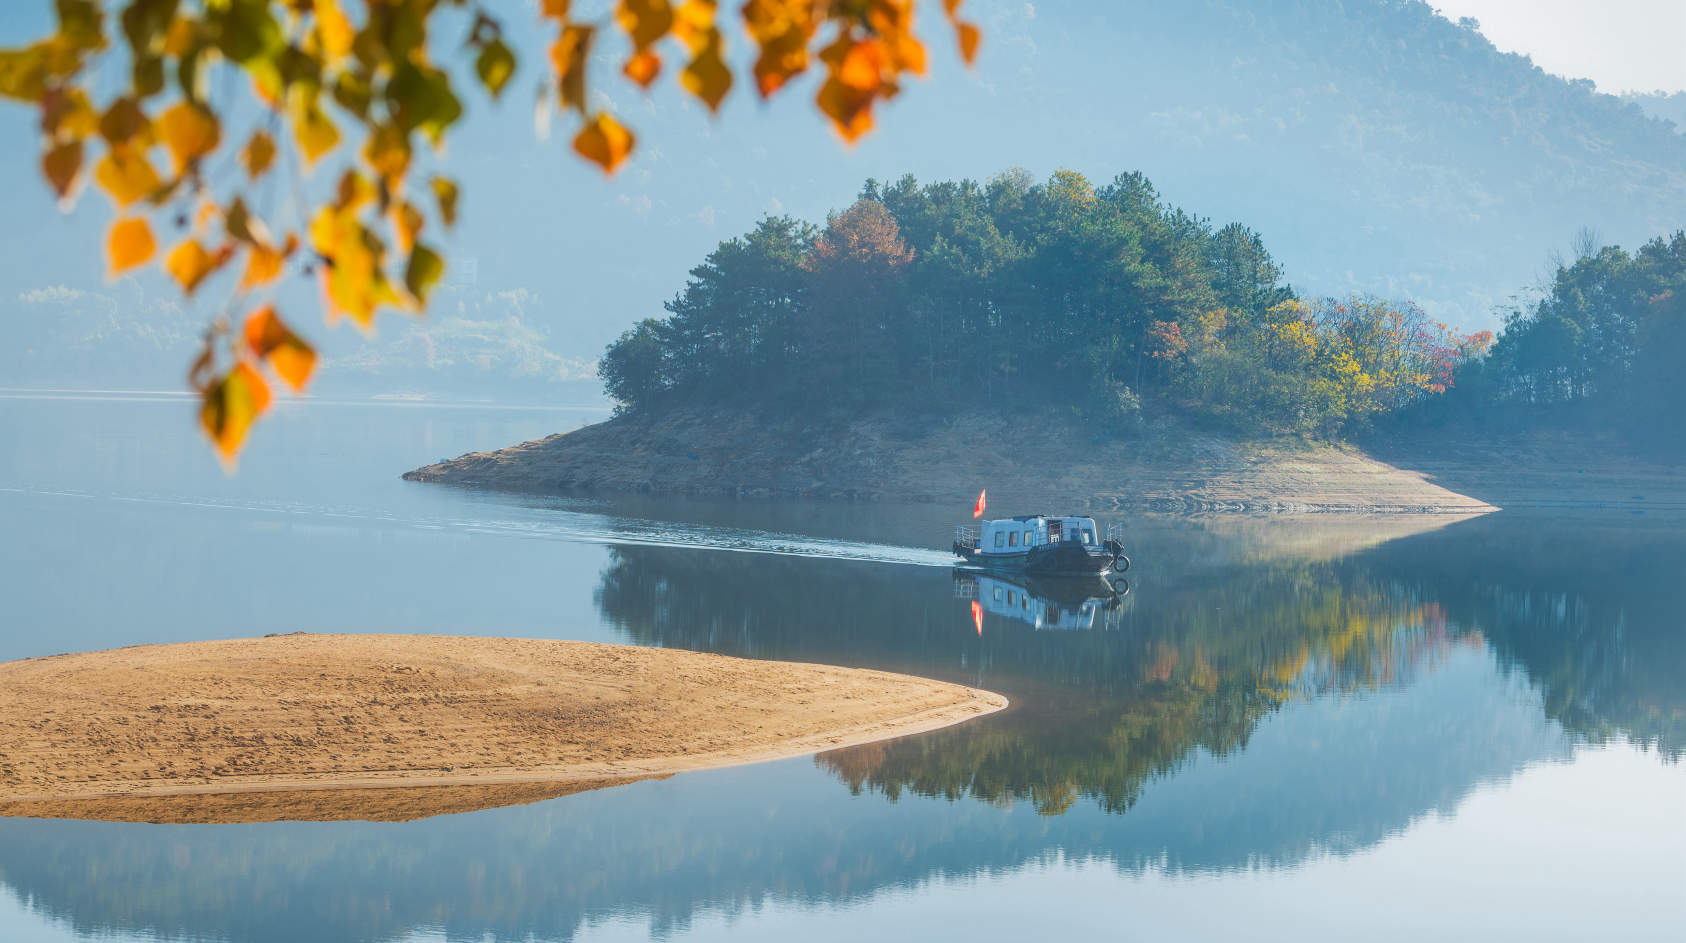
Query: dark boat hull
point(1068, 557)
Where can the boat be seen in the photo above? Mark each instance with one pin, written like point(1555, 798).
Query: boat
point(1041, 543)
point(1045, 603)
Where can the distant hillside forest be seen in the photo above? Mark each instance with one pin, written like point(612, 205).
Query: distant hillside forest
point(1061, 294)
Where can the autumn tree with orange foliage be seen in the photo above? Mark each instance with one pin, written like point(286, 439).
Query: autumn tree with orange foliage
point(854, 278)
point(333, 73)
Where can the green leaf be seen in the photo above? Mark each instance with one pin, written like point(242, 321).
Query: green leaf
point(351, 91)
point(81, 23)
point(423, 272)
point(145, 23)
point(495, 66)
point(421, 98)
point(246, 31)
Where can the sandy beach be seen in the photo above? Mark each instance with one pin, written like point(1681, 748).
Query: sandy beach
point(302, 712)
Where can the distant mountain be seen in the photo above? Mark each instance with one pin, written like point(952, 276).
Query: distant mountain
point(1666, 106)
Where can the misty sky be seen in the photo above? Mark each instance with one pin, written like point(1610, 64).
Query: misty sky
point(1052, 90)
point(1623, 45)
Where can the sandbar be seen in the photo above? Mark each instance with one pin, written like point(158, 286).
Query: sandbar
point(306, 712)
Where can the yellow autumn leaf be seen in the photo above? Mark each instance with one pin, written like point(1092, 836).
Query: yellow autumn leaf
point(126, 175)
point(388, 152)
point(269, 338)
point(190, 132)
point(129, 244)
point(231, 405)
point(445, 191)
point(315, 133)
point(334, 29)
point(407, 221)
point(604, 141)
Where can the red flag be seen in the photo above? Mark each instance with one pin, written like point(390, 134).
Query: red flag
point(977, 512)
point(977, 615)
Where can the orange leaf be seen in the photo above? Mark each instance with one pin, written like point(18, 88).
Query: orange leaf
point(231, 405)
point(969, 41)
point(569, 54)
point(556, 9)
point(258, 154)
point(643, 68)
point(708, 76)
point(269, 337)
point(129, 244)
point(604, 141)
point(66, 113)
point(61, 165)
point(124, 121)
point(189, 263)
point(849, 109)
point(264, 263)
point(190, 132)
point(126, 175)
point(782, 28)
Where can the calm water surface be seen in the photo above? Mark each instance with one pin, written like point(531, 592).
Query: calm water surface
point(1289, 728)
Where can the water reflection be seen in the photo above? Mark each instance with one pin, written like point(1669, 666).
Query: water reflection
point(1237, 710)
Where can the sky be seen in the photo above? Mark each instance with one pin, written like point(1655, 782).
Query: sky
point(1623, 45)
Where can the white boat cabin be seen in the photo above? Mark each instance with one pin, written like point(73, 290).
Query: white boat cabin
point(1015, 533)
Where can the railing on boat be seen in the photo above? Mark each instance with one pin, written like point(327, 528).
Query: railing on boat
point(965, 536)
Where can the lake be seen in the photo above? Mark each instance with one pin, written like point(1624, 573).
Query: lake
point(1312, 727)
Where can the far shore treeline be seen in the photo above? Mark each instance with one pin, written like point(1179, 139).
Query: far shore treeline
point(1028, 296)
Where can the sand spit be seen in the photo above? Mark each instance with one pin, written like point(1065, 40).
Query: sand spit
point(300, 713)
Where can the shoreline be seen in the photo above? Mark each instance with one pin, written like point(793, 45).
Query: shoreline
point(322, 713)
point(1169, 467)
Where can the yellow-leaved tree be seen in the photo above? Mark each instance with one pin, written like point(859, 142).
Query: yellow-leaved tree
point(358, 74)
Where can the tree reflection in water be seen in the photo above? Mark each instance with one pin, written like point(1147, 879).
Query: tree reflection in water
point(1197, 655)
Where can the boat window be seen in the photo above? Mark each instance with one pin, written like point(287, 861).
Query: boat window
point(997, 594)
point(1000, 538)
point(1010, 599)
point(1013, 539)
point(1088, 536)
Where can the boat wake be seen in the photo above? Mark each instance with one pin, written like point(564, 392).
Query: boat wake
point(532, 522)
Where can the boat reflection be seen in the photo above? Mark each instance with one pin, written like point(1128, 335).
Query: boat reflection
point(1070, 602)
